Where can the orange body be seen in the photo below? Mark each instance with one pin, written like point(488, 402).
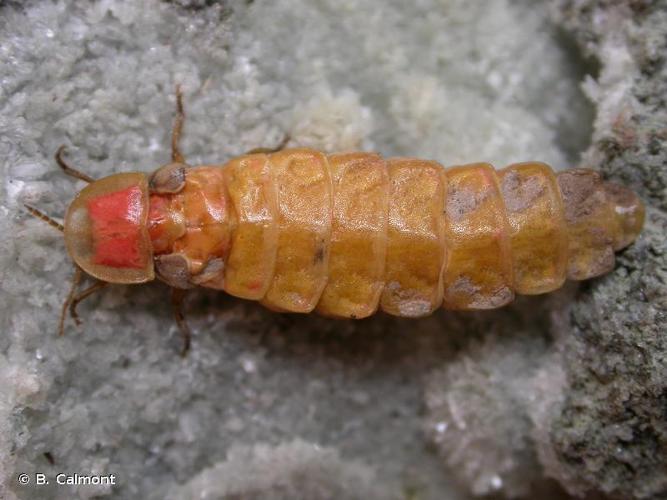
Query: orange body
point(345, 234)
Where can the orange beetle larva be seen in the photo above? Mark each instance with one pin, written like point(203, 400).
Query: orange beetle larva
point(346, 234)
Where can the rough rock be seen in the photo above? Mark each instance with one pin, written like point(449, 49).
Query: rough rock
point(611, 434)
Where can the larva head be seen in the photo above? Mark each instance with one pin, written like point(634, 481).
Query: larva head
point(106, 232)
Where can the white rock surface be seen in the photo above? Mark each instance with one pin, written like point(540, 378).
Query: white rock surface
point(452, 80)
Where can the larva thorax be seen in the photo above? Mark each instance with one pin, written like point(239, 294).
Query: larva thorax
point(347, 233)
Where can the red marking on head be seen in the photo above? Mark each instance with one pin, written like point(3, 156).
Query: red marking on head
point(116, 228)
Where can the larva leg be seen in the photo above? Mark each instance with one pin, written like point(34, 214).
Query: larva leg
point(177, 298)
point(76, 279)
point(279, 147)
point(83, 295)
point(170, 178)
point(176, 155)
point(72, 172)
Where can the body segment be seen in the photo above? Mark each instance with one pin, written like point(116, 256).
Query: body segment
point(303, 184)
point(478, 273)
point(590, 220)
point(360, 190)
point(252, 257)
point(537, 227)
point(415, 238)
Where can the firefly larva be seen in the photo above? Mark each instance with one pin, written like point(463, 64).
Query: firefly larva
point(348, 234)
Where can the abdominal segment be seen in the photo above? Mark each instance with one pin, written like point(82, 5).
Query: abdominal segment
point(348, 234)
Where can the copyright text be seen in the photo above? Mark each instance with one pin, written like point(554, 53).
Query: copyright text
point(63, 479)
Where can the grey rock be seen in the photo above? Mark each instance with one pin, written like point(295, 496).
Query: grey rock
point(611, 434)
point(291, 470)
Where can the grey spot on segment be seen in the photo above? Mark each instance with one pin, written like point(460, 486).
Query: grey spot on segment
point(479, 300)
point(411, 304)
point(520, 194)
point(464, 285)
point(461, 202)
point(581, 193)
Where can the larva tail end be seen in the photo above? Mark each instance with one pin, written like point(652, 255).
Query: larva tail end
point(601, 217)
point(629, 214)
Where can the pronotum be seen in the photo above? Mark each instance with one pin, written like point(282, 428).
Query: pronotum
point(346, 234)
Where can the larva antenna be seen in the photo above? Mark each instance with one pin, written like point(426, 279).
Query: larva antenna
point(78, 273)
point(42, 216)
point(72, 172)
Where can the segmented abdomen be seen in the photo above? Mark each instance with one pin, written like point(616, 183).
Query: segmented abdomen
point(345, 233)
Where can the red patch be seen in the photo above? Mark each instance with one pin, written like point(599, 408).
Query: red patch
point(255, 285)
point(116, 228)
